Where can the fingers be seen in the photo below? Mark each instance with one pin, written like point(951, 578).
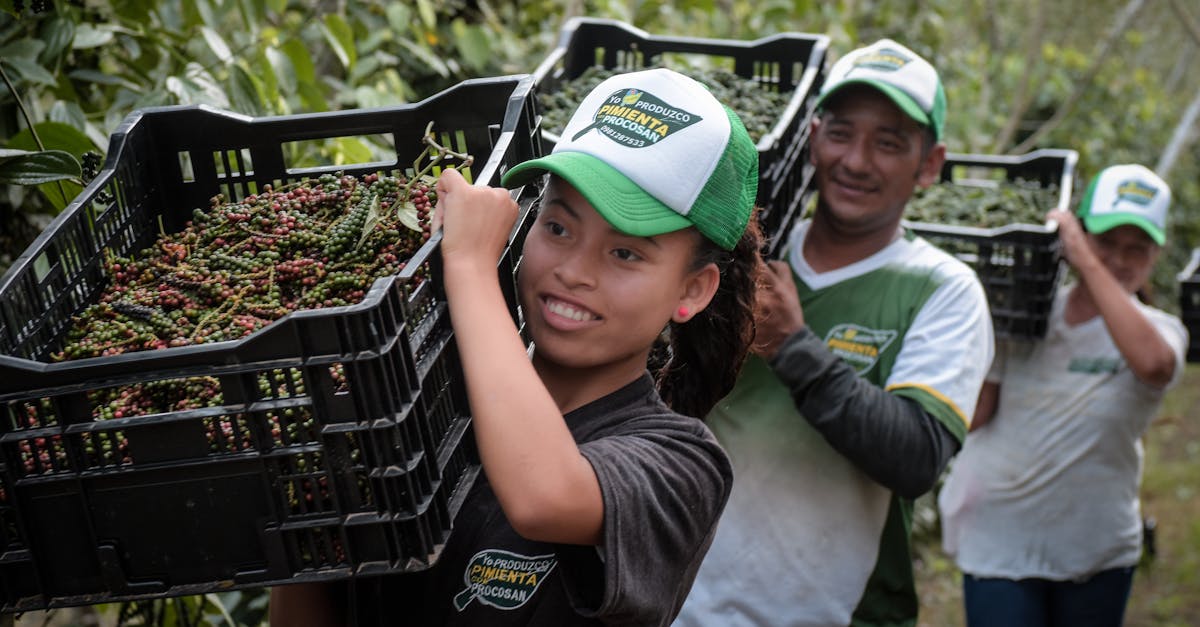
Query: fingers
point(450, 181)
point(779, 270)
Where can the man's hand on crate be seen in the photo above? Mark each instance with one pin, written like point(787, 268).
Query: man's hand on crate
point(779, 314)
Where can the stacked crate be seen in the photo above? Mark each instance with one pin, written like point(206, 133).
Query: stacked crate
point(788, 63)
point(344, 442)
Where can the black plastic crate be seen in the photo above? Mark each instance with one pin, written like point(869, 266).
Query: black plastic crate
point(342, 442)
point(1189, 304)
point(1018, 264)
point(786, 62)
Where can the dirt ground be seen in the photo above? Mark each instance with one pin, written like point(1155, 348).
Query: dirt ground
point(1166, 588)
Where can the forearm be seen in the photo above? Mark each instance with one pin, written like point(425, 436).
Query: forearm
point(985, 407)
point(546, 487)
point(307, 605)
point(890, 438)
point(1148, 356)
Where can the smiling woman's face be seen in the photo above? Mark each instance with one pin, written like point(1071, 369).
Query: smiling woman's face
point(593, 297)
point(1128, 253)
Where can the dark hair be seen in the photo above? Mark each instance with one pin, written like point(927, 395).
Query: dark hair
point(704, 355)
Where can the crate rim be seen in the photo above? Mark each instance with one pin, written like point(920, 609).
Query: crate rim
point(148, 359)
point(81, 371)
point(820, 46)
point(1069, 156)
point(998, 231)
point(523, 84)
point(1070, 159)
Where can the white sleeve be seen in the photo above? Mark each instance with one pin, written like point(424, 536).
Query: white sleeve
point(949, 347)
point(1175, 335)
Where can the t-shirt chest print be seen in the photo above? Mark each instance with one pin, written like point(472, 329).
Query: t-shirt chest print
point(635, 118)
point(502, 579)
point(857, 345)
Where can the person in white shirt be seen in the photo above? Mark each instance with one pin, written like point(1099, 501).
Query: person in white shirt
point(1040, 509)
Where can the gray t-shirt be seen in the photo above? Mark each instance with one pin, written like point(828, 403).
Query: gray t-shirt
point(664, 480)
point(1049, 487)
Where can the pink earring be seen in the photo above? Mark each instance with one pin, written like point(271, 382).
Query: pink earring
point(683, 312)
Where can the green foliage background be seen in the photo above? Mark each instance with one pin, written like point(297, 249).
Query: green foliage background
point(80, 66)
point(83, 65)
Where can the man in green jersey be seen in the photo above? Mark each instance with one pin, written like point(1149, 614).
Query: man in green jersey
point(871, 349)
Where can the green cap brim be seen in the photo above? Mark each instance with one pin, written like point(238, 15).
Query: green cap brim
point(1105, 222)
point(901, 99)
point(618, 199)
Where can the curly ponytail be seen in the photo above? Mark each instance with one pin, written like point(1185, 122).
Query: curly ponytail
point(706, 353)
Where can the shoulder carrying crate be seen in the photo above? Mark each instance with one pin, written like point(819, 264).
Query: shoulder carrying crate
point(342, 442)
point(1018, 264)
point(786, 62)
point(1189, 304)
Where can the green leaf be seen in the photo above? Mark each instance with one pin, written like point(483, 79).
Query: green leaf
point(135, 11)
point(57, 32)
point(341, 39)
point(374, 214)
point(69, 113)
point(428, 14)
point(426, 56)
point(252, 14)
point(245, 91)
point(54, 136)
point(217, 44)
point(301, 60)
point(96, 76)
point(406, 212)
point(197, 86)
point(312, 97)
point(207, 87)
point(29, 70)
point(92, 36)
point(26, 48)
point(60, 193)
point(472, 44)
point(350, 151)
point(282, 73)
point(19, 167)
point(399, 17)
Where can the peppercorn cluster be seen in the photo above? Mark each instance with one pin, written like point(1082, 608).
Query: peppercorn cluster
point(240, 265)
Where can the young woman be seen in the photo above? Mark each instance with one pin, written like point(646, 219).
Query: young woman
point(600, 492)
point(1040, 508)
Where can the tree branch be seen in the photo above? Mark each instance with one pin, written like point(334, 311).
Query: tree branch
point(1183, 133)
point(1180, 138)
point(1082, 85)
point(1020, 101)
point(1189, 23)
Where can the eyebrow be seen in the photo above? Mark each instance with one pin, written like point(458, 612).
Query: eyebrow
point(612, 229)
point(897, 131)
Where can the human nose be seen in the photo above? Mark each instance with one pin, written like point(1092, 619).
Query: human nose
point(856, 156)
point(576, 268)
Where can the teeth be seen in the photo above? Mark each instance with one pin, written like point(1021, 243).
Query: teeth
point(568, 311)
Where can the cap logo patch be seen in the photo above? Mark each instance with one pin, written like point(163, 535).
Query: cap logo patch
point(1136, 192)
point(883, 60)
point(636, 119)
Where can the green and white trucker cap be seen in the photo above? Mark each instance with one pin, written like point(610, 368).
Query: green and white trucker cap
point(654, 152)
point(901, 74)
point(1127, 194)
